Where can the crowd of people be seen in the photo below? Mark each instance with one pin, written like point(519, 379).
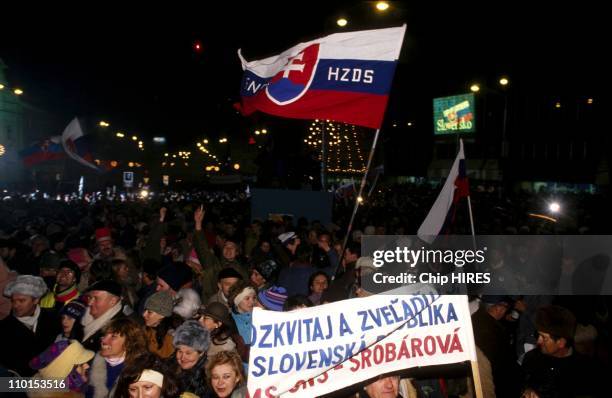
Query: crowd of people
point(154, 297)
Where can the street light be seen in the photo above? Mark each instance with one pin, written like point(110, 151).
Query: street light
point(18, 91)
point(103, 123)
point(120, 134)
point(554, 207)
point(1, 86)
point(342, 22)
point(382, 6)
point(236, 166)
point(504, 81)
point(475, 88)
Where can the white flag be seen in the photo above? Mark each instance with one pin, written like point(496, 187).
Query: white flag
point(455, 187)
point(72, 133)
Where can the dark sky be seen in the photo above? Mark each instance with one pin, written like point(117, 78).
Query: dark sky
point(136, 67)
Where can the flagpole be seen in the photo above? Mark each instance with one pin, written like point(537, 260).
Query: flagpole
point(471, 221)
point(361, 188)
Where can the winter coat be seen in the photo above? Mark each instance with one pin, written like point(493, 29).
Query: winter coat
point(99, 378)
point(6, 276)
point(20, 344)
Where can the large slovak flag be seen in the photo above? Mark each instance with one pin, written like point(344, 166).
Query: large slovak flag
point(443, 209)
point(345, 77)
point(76, 144)
point(49, 149)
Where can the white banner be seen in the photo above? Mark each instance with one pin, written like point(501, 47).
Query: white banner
point(314, 351)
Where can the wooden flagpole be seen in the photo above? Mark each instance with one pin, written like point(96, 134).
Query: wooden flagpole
point(357, 199)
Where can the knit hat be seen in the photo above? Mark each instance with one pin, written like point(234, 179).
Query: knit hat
point(58, 361)
point(175, 275)
point(28, 285)
point(216, 311)
point(286, 237)
point(73, 267)
point(160, 302)
point(556, 321)
point(106, 285)
point(187, 303)
point(103, 234)
point(74, 309)
point(267, 269)
point(193, 335)
point(273, 298)
point(228, 272)
point(193, 257)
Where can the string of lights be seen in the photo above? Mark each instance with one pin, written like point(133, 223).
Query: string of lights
point(342, 146)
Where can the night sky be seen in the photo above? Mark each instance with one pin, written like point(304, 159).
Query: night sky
point(137, 67)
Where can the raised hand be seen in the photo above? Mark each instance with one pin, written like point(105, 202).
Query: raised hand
point(198, 217)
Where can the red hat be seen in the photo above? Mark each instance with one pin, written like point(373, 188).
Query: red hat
point(103, 234)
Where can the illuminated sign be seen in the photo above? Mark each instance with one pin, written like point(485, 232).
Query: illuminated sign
point(159, 140)
point(454, 114)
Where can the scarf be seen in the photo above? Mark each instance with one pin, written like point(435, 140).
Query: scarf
point(91, 325)
point(115, 361)
point(66, 295)
point(31, 321)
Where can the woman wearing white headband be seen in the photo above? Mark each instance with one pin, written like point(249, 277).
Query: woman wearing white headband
point(148, 377)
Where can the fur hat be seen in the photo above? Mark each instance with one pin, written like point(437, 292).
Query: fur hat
point(187, 303)
point(160, 302)
point(193, 335)
point(28, 285)
point(556, 321)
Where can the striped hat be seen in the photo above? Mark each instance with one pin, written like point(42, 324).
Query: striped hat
point(273, 298)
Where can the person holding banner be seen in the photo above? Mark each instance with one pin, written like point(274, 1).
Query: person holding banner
point(242, 298)
point(226, 376)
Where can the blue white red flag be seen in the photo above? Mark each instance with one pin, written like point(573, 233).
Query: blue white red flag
point(49, 149)
point(76, 144)
point(443, 209)
point(345, 77)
